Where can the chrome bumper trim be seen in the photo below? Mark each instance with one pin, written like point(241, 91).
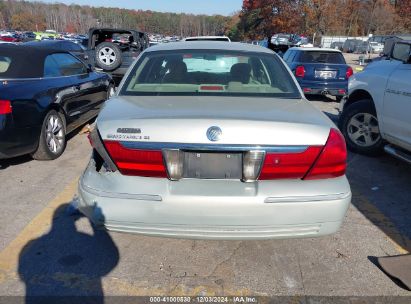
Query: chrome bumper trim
point(210, 147)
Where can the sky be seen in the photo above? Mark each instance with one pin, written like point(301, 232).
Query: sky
point(208, 7)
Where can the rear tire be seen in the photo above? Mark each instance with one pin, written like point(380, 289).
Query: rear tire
point(108, 56)
point(52, 141)
point(359, 125)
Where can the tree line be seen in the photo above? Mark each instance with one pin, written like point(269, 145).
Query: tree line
point(38, 16)
point(262, 18)
point(256, 19)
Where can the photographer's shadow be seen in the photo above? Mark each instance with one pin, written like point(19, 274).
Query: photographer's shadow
point(66, 262)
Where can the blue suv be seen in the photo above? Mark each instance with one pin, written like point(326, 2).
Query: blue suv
point(319, 71)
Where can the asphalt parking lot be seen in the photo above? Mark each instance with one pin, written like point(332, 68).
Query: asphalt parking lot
point(41, 246)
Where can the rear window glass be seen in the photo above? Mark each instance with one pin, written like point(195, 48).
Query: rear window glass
point(4, 64)
point(322, 57)
point(210, 72)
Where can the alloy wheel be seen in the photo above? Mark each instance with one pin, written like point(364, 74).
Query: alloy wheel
point(54, 134)
point(363, 129)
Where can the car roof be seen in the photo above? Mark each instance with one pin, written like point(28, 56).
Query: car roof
point(48, 43)
point(315, 49)
point(23, 65)
point(208, 45)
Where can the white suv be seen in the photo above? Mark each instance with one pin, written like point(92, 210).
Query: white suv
point(376, 115)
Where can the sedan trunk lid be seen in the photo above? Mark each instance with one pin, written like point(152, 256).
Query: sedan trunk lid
point(242, 120)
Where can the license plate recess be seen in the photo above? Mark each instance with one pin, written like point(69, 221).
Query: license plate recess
point(213, 165)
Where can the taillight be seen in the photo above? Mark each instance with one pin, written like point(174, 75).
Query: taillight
point(289, 165)
point(349, 72)
point(332, 160)
point(174, 159)
point(148, 163)
point(300, 71)
point(316, 162)
point(252, 162)
point(5, 107)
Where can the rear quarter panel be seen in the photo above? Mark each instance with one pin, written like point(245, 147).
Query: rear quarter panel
point(29, 98)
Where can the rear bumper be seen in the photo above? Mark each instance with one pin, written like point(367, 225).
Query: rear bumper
point(329, 88)
point(323, 91)
point(17, 141)
point(213, 209)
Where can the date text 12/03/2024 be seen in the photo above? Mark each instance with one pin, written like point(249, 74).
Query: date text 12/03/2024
point(204, 299)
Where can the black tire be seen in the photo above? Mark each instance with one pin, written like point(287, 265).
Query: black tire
point(358, 117)
point(108, 56)
point(46, 150)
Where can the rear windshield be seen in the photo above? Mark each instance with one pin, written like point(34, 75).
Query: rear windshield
point(322, 57)
point(4, 65)
point(210, 72)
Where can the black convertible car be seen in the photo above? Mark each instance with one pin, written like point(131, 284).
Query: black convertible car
point(45, 94)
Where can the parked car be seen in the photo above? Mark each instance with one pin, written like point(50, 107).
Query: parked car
point(28, 36)
point(362, 48)
point(337, 45)
point(375, 47)
point(376, 115)
point(45, 35)
point(63, 45)
point(214, 140)
point(10, 38)
point(281, 39)
point(298, 40)
point(389, 43)
point(45, 94)
point(319, 70)
point(115, 56)
point(208, 38)
point(350, 45)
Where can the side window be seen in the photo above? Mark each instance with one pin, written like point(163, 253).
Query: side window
point(51, 68)
point(4, 63)
point(69, 65)
point(401, 52)
point(286, 55)
point(293, 56)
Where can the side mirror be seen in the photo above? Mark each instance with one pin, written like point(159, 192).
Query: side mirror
point(402, 52)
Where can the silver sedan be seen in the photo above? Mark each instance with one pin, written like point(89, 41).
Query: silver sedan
point(212, 140)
